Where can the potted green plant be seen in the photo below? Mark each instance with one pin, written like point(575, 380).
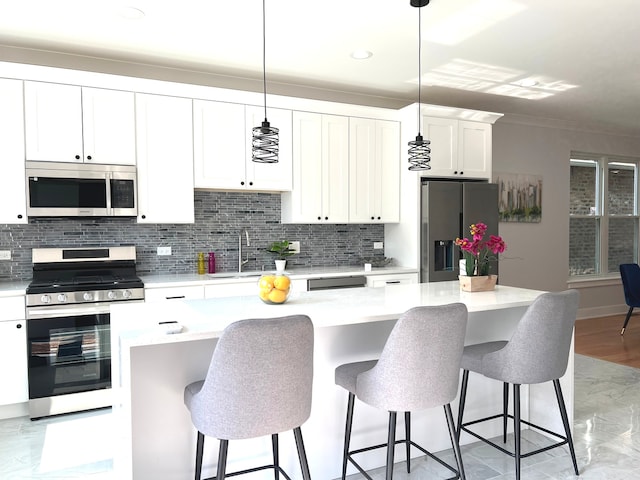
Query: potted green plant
point(283, 249)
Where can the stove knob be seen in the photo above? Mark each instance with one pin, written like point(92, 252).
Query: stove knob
point(126, 294)
point(62, 297)
point(87, 296)
point(111, 295)
point(45, 299)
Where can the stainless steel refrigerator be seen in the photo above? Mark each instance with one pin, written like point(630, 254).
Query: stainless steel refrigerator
point(447, 210)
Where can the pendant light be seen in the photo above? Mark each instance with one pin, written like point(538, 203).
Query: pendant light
point(419, 148)
point(265, 137)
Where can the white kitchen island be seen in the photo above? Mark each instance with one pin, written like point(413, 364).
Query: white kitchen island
point(150, 370)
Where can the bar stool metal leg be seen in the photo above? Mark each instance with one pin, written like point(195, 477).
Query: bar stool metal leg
point(565, 422)
point(199, 449)
point(276, 456)
point(222, 459)
point(516, 427)
point(454, 440)
point(463, 397)
point(391, 443)
point(347, 434)
point(505, 408)
point(407, 430)
point(302, 454)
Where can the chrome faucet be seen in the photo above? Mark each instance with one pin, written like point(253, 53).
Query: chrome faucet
point(246, 260)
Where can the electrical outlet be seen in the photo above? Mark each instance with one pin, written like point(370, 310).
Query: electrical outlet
point(164, 250)
point(378, 245)
point(294, 247)
point(5, 254)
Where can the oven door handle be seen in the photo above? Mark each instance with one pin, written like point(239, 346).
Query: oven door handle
point(37, 313)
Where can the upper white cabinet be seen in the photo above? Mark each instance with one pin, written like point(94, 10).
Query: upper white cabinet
point(374, 171)
point(222, 147)
point(320, 191)
point(13, 200)
point(458, 148)
point(165, 159)
point(68, 123)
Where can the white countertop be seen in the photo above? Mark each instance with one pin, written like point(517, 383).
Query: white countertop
point(137, 324)
point(13, 289)
point(186, 279)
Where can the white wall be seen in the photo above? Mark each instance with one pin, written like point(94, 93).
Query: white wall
point(537, 254)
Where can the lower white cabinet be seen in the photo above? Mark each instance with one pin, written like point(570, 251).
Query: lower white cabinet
point(398, 279)
point(187, 292)
point(164, 132)
point(14, 387)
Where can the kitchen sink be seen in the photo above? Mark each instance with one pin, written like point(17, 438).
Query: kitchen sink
point(249, 274)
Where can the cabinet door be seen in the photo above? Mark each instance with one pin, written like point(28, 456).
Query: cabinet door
point(108, 118)
point(13, 198)
point(474, 149)
point(374, 175)
point(165, 159)
point(443, 135)
point(270, 176)
point(53, 122)
point(335, 168)
point(13, 355)
point(219, 145)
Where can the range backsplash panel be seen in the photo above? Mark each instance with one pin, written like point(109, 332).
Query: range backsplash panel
point(220, 217)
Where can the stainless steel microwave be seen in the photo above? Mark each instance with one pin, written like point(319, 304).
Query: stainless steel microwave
point(57, 189)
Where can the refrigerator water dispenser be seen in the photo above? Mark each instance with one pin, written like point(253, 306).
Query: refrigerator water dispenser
point(443, 256)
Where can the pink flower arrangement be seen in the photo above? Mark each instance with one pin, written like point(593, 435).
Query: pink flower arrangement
point(478, 252)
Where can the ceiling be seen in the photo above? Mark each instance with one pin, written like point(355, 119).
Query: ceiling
point(583, 55)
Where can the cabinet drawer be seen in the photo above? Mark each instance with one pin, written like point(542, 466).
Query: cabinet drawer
point(383, 280)
point(12, 308)
point(192, 292)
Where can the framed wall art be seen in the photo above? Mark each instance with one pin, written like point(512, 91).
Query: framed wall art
point(520, 197)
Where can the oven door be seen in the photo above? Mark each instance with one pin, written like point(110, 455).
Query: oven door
point(69, 352)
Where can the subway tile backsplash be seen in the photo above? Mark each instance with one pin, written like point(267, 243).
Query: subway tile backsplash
point(220, 217)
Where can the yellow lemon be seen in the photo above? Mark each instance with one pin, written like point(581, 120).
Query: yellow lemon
point(264, 294)
point(277, 296)
point(282, 282)
point(266, 282)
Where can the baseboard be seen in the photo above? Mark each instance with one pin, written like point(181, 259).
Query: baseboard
point(14, 410)
point(603, 311)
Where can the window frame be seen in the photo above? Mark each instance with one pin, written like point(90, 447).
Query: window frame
point(601, 215)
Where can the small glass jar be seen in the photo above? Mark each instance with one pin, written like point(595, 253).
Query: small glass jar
point(212, 262)
point(201, 263)
point(274, 288)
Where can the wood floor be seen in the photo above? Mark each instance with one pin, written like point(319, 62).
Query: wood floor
point(600, 338)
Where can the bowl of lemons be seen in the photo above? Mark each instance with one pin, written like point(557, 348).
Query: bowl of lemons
point(274, 289)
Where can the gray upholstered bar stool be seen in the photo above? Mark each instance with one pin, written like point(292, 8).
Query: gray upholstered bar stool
point(259, 383)
point(418, 369)
point(537, 352)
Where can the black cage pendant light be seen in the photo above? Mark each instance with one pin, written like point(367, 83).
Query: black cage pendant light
point(265, 137)
point(419, 148)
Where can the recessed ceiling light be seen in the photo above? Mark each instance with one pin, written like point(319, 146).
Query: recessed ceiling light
point(131, 13)
point(361, 54)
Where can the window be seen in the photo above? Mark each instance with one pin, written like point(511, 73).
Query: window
point(603, 211)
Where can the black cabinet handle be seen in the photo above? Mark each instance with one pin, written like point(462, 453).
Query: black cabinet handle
point(77, 157)
point(88, 157)
point(143, 216)
point(19, 325)
point(319, 218)
point(461, 173)
point(326, 218)
point(241, 183)
point(19, 215)
point(250, 183)
point(176, 297)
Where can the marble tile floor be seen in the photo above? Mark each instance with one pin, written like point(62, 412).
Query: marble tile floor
point(606, 435)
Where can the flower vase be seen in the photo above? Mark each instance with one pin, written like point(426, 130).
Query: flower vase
point(479, 283)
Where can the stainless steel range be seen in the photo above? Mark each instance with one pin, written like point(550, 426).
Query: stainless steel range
point(68, 325)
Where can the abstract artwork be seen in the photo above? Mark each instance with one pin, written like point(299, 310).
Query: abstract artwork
point(520, 197)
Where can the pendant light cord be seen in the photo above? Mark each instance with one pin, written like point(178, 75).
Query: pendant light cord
point(264, 57)
point(419, 64)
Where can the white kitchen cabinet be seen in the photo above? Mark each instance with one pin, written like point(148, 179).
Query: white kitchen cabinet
point(165, 159)
point(13, 351)
point(178, 292)
point(374, 171)
point(320, 191)
point(68, 123)
point(458, 148)
point(391, 279)
point(222, 147)
point(13, 200)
